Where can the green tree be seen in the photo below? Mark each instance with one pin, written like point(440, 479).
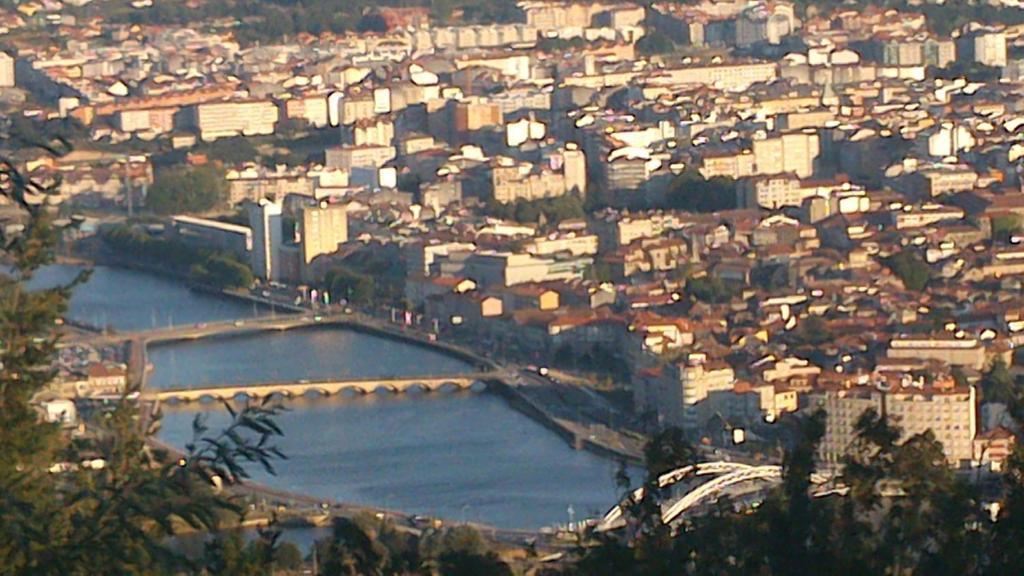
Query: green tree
point(997, 384)
point(653, 43)
point(812, 331)
point(187, 190)
point(710, 289)
point(690, 191)
point(222, 271)
point(115, 519)
point(1005, 226)
point(359, 289)
point(910, 269)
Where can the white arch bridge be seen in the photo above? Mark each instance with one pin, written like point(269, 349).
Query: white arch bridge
point(721, 476)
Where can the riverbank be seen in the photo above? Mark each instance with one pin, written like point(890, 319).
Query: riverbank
point(286, 509)
point(570, 435)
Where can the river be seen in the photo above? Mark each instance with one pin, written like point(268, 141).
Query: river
point(456, 455)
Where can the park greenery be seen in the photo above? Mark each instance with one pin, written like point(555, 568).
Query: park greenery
point(187, 190)
point(910, 269)
point(204, 266)
point(550, 210)
point(114, 519)
point(655, 43)
point(367, 277)
point(692, 192)
point(256, 21)
point(1005, 226)
point(709, 289)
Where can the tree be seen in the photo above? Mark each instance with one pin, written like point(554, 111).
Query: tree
point(1005, 226)
point(203, 266)
point(367, 546)
point(997, 383)
point(222, 271)
point(710, 289)
point(187, 190)
point(813, 331)
point(357, 288)
point(115, 519)
point(690, 191)
point(653, 43)
point(910, 269)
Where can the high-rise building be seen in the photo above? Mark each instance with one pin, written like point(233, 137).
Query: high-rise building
point(985, 46)
point(267, 237)
point(575, 169)
point(946, 409)
point(226, 119)
point(323, 227)
point(794, 152)
point(990, 48)
point(6, 70)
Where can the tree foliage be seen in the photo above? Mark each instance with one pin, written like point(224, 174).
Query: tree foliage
point(653, 43)
point(902, 510)
point(358, 288)
point(203, 266)
point(368, 546)
point(1005, 226)
point(690, 191)
point(710, 289)
point(910, 269)
point(187, 190)
point(553, 210)
point(273, 20)
point(113, 519)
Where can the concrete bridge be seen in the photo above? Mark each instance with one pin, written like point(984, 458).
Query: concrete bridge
point(324, 388)
point(140, 340)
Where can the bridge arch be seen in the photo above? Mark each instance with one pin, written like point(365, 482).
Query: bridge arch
point(726, 474)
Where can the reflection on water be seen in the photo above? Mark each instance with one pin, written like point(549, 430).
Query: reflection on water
point(454, 455)
point(129, 300)
point(457, 455)
point(312, 353)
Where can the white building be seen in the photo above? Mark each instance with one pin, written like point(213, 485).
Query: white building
point(226, 119)
point(267, 238)
point(6, 70)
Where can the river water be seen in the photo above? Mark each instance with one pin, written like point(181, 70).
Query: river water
point(455, 455)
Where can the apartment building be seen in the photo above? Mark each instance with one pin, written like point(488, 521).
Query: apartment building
point(228, 119)
point(791, 152)
point(366, 156)
point(512, 181)
point(728, 77)
point(954, 351)
point(738, 164)
point(6, 70)
point(154, 120)
point(674, 394)
point(312, 110)
point(947, 410)
point(268, 239)
point(986, 46)
point(471, 116)
point(254, 184)
point(323, 226)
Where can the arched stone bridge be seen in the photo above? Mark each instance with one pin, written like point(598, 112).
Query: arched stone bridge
point(323, 387)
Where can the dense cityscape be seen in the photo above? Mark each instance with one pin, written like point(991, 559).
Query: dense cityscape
point(538, 287)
